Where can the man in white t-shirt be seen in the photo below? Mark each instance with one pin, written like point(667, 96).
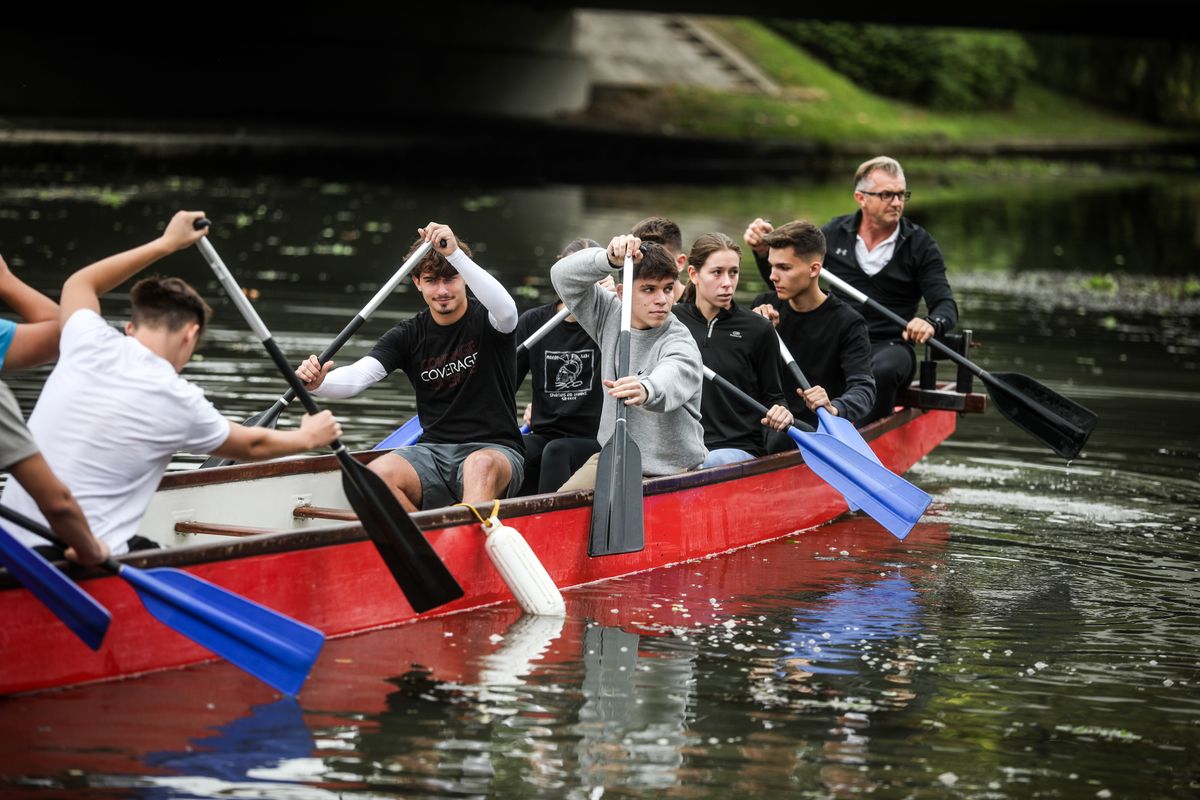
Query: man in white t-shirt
point(114, 410)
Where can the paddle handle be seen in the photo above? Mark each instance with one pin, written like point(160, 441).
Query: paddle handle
point(745, 398)
point(854, 293)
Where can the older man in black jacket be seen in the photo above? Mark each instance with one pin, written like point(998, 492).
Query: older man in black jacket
point(893, 261)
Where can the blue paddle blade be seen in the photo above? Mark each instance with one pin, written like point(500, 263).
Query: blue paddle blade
point(406, 434)
point(889, 499)
point(844, 431)
point(78, 610)
point(274, 648)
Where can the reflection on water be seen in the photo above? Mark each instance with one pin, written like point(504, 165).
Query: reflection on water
point(1036, 636)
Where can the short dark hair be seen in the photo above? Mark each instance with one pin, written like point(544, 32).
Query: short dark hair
point(662, 231)
point(167, 302)
point(434, 262)
point(800, 235)
point(657, 264)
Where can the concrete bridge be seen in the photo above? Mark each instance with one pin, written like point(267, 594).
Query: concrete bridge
point(353, 65)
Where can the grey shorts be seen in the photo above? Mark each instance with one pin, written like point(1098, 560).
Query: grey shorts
point(440, 468)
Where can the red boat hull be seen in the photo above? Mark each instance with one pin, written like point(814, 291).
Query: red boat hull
point(340, 586)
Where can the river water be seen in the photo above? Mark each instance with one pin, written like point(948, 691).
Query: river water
point(1036, 636)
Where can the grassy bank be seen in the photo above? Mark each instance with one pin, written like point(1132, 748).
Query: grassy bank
point(821, 106)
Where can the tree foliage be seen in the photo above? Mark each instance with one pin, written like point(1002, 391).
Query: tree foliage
point(938, 68)
point(1157, 81)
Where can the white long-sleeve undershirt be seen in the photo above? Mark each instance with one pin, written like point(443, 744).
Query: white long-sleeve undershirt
point(502, 309)
point(348, 381)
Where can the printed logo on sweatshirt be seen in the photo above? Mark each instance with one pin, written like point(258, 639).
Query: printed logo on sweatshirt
point(569, 373)
point(450, 370)
point(735, 334)
point(841, 251)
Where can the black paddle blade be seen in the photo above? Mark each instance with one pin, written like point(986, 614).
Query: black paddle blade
point(263, 419)
point(1061, 423)
point(422, 576)
point(617, 504)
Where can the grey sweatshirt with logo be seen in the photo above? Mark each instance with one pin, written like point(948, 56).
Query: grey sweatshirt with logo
point(667, 426)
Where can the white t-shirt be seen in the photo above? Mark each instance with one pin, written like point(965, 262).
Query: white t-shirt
point(111, 415)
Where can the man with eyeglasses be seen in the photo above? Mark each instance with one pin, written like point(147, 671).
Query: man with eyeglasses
point(891, 260)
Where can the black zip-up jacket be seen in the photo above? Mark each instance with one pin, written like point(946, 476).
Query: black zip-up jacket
point(916, 270)
point(738, 345)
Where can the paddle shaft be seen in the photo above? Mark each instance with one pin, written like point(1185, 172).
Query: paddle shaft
point(548, 326)
point(260, 329)
point(1077, 434)
point(41, 530)
point(362, 316)
point(957, 357)
point(626, 327)
point(792, 366)
point(736, 392)
point(417, 568)
point(798, 374)
point(617, 525)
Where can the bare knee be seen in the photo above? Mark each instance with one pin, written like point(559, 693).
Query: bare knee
point(486, 474)
point(400, 477)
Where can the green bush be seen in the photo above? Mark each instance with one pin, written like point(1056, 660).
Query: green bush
point(945, 69)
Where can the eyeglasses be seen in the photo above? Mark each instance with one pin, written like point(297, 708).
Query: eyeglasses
point(888, 197)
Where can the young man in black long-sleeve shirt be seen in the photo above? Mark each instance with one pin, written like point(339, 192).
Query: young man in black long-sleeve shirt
point(827, 338)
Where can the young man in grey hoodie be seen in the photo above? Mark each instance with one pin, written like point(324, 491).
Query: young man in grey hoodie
point(666, 372)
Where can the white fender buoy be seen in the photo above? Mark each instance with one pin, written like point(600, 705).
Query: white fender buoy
point(527, 579)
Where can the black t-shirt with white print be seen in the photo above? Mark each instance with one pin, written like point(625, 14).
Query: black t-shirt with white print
point(462, 375)
point(565, 371)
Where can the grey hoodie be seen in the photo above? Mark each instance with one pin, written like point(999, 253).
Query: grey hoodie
point(667, 427)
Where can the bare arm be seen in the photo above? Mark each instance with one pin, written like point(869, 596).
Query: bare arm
point(60, 509)
point(502, 309)
point(84, 288)
point(254, 444)
point(32, 344)
point(30, 304)
point(35, 341)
